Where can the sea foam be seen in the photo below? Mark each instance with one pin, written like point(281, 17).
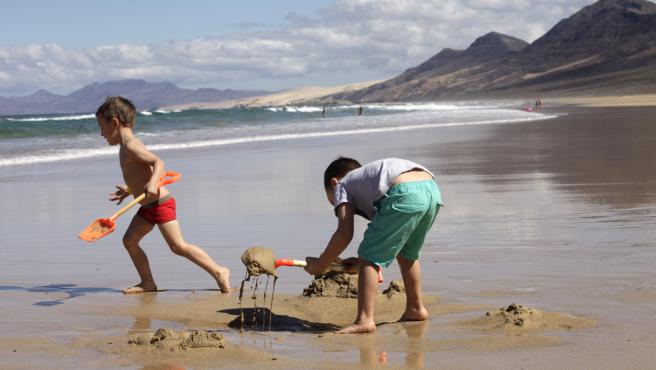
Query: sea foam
point(75, 117)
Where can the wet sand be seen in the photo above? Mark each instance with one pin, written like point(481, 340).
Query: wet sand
point(556, 216)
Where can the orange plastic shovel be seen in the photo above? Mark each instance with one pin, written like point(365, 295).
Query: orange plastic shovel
point(104, 226)
point(333, 266)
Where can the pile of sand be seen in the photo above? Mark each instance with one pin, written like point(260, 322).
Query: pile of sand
point(516, 318)
point(343, 285)
point(333, 284)
point(176, 341)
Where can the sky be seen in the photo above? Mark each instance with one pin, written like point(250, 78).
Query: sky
point(63, 45)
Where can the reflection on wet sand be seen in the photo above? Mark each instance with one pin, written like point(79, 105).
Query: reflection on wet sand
point(143, 323)
point(606, 155)
point(416, 332)
point(412, 334)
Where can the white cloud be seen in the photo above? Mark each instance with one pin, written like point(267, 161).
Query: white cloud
point(349, 41)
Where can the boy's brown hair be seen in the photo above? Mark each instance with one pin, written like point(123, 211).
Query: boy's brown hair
point(339, 168)
point(118, 107)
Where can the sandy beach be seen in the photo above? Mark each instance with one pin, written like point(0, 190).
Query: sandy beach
point(297, 96)
point(553, 215)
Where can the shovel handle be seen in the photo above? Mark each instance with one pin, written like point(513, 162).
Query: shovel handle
point(288, 262)
point(169, 178)
point(332, 267)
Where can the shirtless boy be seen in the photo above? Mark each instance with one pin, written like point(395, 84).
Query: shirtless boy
point(142, 171)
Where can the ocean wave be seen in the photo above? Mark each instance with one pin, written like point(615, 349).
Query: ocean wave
point(146, 113)
point(306, 109)
point(424, 107)
point(75, 117)
point(63, 155)
point(71, 154)
point(292, 109)
point(408, 107)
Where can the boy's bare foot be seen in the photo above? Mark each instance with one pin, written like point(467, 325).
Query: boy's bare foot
point(359, 328)
point(222, 276)
point(140, 288)
point(414, 314)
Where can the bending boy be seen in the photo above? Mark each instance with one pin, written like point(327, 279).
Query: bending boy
point(142, 171)
point(401, 199)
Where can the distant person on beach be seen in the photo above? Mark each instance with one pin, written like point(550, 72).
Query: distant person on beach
point(401, 199)
point(142, 171)
point(360, 111)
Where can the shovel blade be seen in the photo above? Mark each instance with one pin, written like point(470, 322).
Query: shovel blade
point(97, 229)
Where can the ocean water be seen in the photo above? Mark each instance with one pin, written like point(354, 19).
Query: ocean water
point(48, 138)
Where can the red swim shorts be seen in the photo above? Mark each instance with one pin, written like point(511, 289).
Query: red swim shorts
point(159, 212)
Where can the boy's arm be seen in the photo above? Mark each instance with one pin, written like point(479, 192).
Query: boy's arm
point(141, 154)
point(338, 242)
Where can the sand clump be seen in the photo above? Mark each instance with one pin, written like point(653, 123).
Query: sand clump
point(180, 341)
point(395, 287)
point(259, 261)
point(516, 318)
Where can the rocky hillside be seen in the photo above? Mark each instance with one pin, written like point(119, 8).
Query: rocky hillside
point(609, 46)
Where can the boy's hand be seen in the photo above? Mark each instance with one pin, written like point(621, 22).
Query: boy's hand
point(351, 261)
point(151, 190)
point(121, 193)
point(313, 267)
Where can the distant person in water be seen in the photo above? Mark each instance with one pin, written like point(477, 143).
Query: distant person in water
point(323, 111)
point(142, 171)
point(401, 199)
point(360, 111)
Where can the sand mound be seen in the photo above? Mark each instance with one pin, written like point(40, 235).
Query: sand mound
point(259, 260)
point(333, 284)
point(343, 285)
point(516, 318)
point(176, 341)
point(395, 287)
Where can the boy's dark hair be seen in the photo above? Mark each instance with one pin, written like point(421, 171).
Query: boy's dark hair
point(339, 168)
point(120, 108)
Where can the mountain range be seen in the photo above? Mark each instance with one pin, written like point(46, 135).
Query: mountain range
point(145, 95)
point(606, 48)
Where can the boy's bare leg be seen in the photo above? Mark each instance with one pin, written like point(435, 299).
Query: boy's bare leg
point(367, 290)
point(138, 228)
point(173, 236)
point(414, 306)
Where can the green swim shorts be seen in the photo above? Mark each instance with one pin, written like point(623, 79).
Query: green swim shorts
point(403, 217)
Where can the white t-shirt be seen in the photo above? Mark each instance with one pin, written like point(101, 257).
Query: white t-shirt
point(362, 187)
